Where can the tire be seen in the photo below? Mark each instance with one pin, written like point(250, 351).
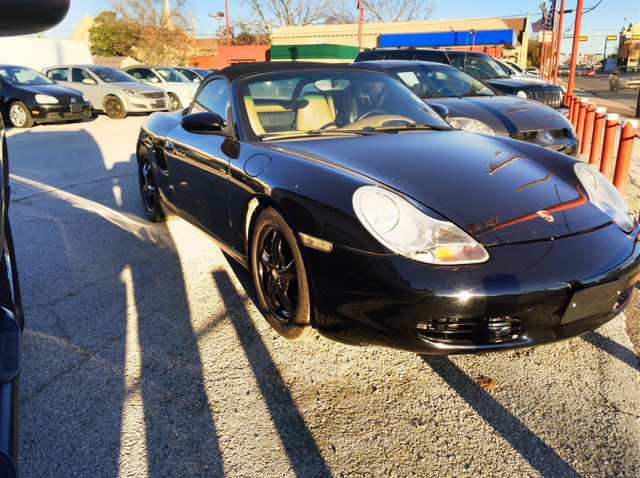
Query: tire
point(610, 87)
point(281, 278)
point(9, 285)
point(114, 108)
point(19, 115)
point(149, 189)
point(174, 102)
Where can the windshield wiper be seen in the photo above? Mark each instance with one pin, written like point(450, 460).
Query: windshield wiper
point(408, 127)
point(318, 132)
point(434, 95)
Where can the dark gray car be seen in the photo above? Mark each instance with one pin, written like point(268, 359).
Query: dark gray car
point(475, 106)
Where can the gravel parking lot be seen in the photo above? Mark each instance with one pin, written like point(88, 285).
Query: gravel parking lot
point(145, 355)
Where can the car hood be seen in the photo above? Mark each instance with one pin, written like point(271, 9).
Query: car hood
point(134, 85)
point(516, 83)
point(504, 114)
point(57, 91)
point(486, 186)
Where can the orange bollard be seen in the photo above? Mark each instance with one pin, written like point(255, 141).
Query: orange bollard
point(625, 147)
point(582, 112)
point(596, 142)
point(574, 113)
point(611, 123)
point(588, 127)
point(569, 103)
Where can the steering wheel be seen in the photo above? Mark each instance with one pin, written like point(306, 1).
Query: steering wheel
point(447, 89)
point(370, 113)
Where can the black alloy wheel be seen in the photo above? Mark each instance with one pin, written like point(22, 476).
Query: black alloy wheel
point(149, 190)
point(9, 285)
point(114, 108)
point(280, 277)
point(174, 102)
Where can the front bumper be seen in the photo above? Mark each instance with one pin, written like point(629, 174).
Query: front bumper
point(386, 300)
point(135, 104)
point(59, 112)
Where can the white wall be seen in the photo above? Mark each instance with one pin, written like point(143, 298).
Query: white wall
point(38, 53)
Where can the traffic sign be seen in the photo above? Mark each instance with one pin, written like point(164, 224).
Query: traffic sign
point(612, 37)
point(583, 38)
point(635, 37)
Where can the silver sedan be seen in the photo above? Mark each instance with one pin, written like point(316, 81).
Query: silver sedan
point(109, 89)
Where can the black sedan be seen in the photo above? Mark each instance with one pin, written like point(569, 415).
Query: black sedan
point(28, 97)
point(472, 105)
point(379, 224)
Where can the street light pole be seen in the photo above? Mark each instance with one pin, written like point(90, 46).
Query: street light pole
point(226, 12)
point(574, 49)
point(555, 72)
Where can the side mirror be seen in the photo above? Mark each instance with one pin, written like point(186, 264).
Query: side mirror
point(155, 80)
point(441, 110)
point(512, 72)
point(197, 80)
point(89, 81)
point(202, 123)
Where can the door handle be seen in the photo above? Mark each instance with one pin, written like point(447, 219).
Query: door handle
point(168, 146)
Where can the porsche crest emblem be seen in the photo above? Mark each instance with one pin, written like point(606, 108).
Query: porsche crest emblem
point(545, 215)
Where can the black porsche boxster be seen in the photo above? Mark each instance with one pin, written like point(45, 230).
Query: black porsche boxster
point(365, 217)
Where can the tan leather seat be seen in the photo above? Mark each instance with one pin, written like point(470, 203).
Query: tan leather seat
point(253, 116)
point(314, 113)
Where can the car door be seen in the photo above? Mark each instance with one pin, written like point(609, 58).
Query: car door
point(91, 92)
point(198, 167)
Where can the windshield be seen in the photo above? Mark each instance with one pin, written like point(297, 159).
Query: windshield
point(336, 101)
point(517, 68)
point(111, 75)
point(171, 76)
point(439, 81)
point(483, 67)
point(629, 69)
point(17, 75)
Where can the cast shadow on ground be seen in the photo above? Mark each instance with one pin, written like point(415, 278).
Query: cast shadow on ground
point(539, 455)
point(613, 348)
point(302, 451)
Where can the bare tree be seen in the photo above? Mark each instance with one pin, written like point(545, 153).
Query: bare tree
point(285, 13)
point(160, 31)
point(380, 11)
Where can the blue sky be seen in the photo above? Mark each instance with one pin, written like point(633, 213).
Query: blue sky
point(607, 18)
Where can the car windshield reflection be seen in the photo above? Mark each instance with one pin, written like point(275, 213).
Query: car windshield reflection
point(439, 81)
point(17, 75)
point(111, 75)
point(278, 104)
point(171, 76)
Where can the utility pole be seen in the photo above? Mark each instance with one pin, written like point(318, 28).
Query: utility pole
point(555, 72)
point(226, 12)
point(193, 32)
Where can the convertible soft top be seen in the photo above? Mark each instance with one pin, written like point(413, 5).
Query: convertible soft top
point(234, 72)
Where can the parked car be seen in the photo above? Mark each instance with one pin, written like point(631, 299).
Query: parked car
point(29, 97)
point(109, 89)
point(42, 15)
point(478, 64)
point(364, 216)
point(472, 105)
point(624, 77)
point(533, 70)
point(194, 74)
point(180, 90)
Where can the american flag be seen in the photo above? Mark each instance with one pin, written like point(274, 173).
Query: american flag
point(551, 16)
point(536, 27)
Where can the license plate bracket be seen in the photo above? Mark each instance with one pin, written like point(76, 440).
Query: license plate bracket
point(75, 108)
point(597, 300)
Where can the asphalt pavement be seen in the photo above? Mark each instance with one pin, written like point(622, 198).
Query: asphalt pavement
point(599, 86)
point(144, 355)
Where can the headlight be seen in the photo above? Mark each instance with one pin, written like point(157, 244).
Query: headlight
point(521, 94)
point(470, 124)
point(187, 91)
point(410, 233)
point(46, 100)
point(605, 196)
point(135, 93)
